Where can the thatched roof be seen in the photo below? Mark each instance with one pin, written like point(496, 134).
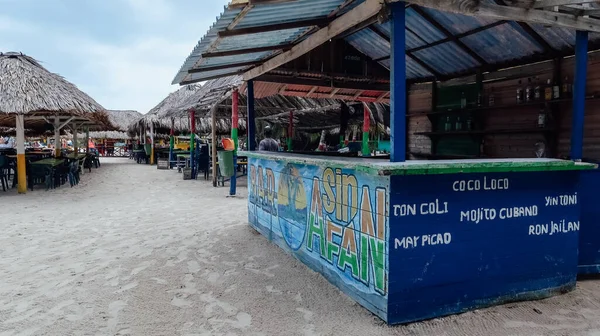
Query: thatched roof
point(26, 87)
point(121, 119)
point(159, 116)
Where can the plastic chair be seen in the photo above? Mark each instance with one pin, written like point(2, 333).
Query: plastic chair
point(4, 166)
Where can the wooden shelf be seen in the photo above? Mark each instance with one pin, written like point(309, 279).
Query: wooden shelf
point(490, 132)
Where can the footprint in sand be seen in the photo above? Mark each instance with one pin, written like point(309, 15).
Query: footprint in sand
point(142, 267)
point(127, 287)
point(270, 289)
point(180, 302)
point(242, 321)
point(193, 266)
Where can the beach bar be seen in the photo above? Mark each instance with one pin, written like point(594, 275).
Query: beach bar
point(407, 239)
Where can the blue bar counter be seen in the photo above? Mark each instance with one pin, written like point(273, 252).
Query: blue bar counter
point(589, 236)
point(422, 239)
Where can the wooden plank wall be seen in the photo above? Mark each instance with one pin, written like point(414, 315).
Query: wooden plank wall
point(519, 117)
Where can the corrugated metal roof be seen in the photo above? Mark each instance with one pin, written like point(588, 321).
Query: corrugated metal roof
point(439, 43)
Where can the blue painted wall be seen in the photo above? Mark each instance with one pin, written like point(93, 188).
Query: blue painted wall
point(334, 221)
point(589, 236)
point(459, 242)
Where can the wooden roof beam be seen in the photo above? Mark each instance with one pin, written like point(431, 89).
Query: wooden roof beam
point(275, 27)
point(247, 51)
point(483, 9)
point(348, 85)
point(359, 14)
point(552, 3)
point(225, 66)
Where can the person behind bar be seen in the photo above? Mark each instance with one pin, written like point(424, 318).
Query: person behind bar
point(268, 144)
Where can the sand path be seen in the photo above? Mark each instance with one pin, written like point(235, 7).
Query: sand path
point(137, 251)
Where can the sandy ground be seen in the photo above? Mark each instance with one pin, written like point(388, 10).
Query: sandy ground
point(137, 251)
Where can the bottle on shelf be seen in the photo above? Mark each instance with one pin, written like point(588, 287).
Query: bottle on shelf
point(491, 98)
point(479, 98)
point(463, 100)
point(528, 91)
point(556, 90)
point(542, 118)
point(537, 90)
point(567, 88)
point(520, 93)
point(447, 125)
point(548, 90)
point(469, 123)
point(458, 125)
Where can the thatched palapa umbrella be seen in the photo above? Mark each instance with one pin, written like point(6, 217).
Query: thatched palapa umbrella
point(29, 92)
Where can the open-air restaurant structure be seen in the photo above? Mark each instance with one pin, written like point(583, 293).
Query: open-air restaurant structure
point(485, 196)
point(435, 156)
point(36, 101)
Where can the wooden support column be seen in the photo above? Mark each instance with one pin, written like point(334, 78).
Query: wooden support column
point(21, 170)
point(57, 143)
point(366, 151)
point(193, 142)
point(87, 140)
point(581, 60)
point(171, 142)
point(214, 144)
point(234, 135)
point(151, 143)
point(398, 83)
point(250, 120)
point(290, 137)
point(75, 147)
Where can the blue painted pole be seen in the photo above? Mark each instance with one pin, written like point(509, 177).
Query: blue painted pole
point(398, 83)
point(581, 60)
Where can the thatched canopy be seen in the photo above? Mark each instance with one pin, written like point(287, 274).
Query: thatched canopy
point(28, 88)
point(159, 115)
point(121, 119)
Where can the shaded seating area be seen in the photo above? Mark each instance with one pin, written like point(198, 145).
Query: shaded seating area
point(40, 102)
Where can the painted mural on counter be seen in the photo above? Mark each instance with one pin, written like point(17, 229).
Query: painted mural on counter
point(463, 241)
point(333, 220)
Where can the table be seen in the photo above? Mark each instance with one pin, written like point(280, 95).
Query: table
point(49, 162)
point(79, 156)
point(421, 239)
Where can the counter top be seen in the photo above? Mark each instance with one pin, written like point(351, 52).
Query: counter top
point(423, 167)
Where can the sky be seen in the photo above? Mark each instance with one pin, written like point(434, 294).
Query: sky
point(123, 53)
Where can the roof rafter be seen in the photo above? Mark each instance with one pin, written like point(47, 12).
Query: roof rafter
point(362, 12)
point(449, 35)
point(477, 8)
point(275, 27)
point(247, 51)
point(552, 3)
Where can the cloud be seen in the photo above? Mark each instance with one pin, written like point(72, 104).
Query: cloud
point(152, 10)
point(135, 76)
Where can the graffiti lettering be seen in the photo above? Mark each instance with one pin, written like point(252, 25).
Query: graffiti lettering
point(553, 228)
point(340, 194)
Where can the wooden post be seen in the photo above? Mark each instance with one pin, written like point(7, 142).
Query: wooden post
point(581, 59)
point(290, 132)
point(172, 142)
point(398, 83)
point(21, 170)
point(250, 122)
point(57, 143)
point(234, 136)
point(87, 140)
point(214, 144)
point(193, 142)
point(366, 150)
point(151, 143)
point(75, 148)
